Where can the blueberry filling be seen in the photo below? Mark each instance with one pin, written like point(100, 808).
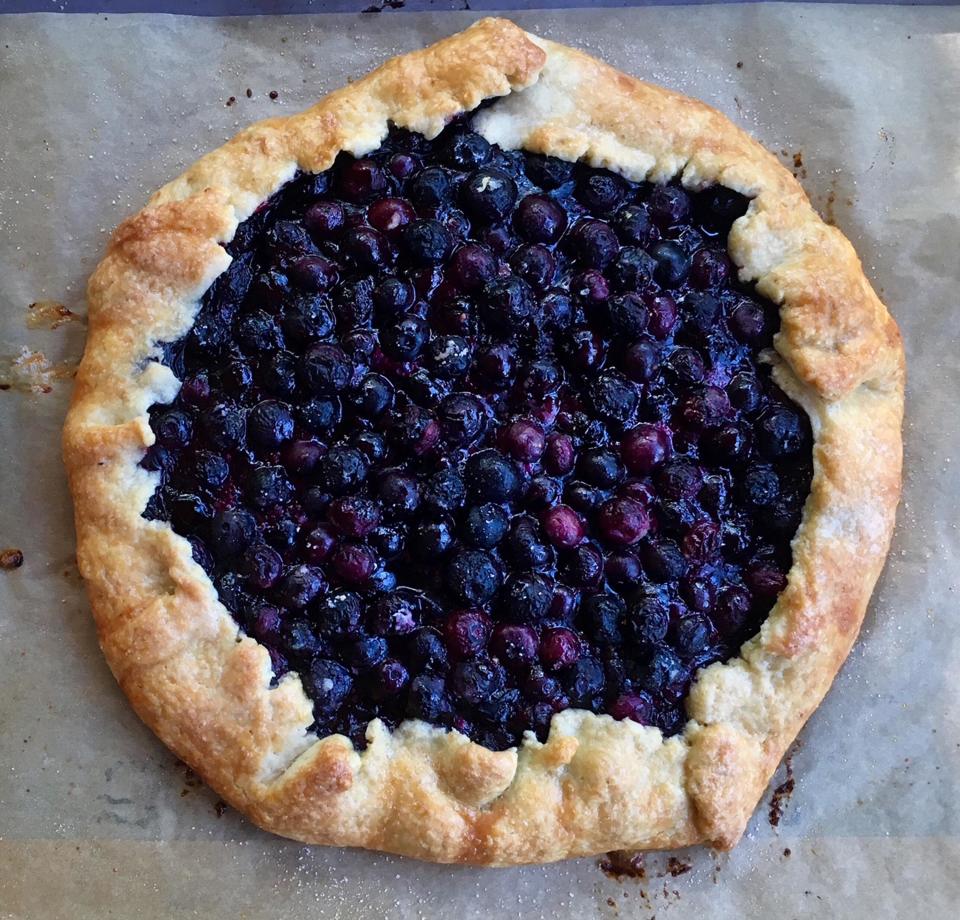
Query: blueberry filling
point(473, 436)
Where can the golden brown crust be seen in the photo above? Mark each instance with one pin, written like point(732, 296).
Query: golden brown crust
point(596, 784)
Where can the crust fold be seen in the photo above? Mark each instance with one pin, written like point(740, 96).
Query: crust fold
point(596, 784)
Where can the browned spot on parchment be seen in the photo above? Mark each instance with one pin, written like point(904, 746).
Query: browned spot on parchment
point(49, 314)
point(11, 558)
point(32, 372)
point(622, 864)
point(781, 795)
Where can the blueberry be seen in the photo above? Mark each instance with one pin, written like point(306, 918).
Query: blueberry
point(663, 561)
point(353, 563)
point(395, 614)
point(365, 249)
point(258, 332)
point(485, 525)
point(324, 220)
point(623, 521)
point(686, 366)
point(354, 516)
point(535, 265)
point(366, 653)
point(372, 444)
point(477, 681)
point(557, 309)
point(600, 466)
point(544, 492)
point(388, 679)
point(270, 423)
point(679, 479)
point(414, 429)
point(173, 428)
point(208, 471)
point(540, 219)
point(744, 391)
point(430, 540)
point(231, 532)
point(466, 632)
point(614, 398)
point(634, 226)
point(427, 649)
point(361, 180)
point(710, 269)
point(342, 470)
point(426, 242)
point(387, 541)
point(399, 493)
point(471, 267)
point(526, 598)
point(224, 426)
point(431, 188)
point(339, 614)
point(781, 433)
point(325, 369)
point(261, 565)
point(723, 206)
point(760, 486)
point(584, 349)
point(374, 396)
point(563, 526)
point(669, 205)
point(472, 577)
point(644, 447)
point(465, 150)
point(583, 567)
point(547, 172)
point(647, 622)
point(584, 681)
point(600, 190)
point(405, 340)
point(492, 477)
point(662, 312)
point(392, 296)
point(353, 303)
point(301, 585)
point(428, 699)
point(299, 639)
point(449, 356)
point(387, 215)
point(523, 440)
point(602, 615)
point(321, 415)
point(700, 312)
point(489, 194)
point(526, 544)
point(313, 274)
point(506, 305)
point(665, 675)
point(672, 264)
point(632, 269)
point(328, 685)
point(268, 487)
point(594, 243)
point(628, 314)
point(444, 492)
point(277, 373)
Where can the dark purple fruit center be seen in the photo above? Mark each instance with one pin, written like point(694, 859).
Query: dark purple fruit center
point(474, 436)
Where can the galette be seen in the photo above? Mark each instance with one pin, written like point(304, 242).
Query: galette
point(490, 464)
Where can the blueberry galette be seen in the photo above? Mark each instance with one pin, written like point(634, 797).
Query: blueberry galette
point(490, 464)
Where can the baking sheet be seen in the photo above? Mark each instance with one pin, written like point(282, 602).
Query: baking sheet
point(98, 819)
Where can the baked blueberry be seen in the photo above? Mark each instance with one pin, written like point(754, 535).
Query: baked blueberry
point(489, 194)
point(474, 436)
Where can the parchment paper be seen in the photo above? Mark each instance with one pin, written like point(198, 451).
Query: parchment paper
point(97, 819)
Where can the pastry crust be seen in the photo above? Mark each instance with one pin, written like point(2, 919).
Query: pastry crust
point(596, 784)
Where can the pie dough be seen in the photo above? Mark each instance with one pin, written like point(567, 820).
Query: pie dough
point(596, 784)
